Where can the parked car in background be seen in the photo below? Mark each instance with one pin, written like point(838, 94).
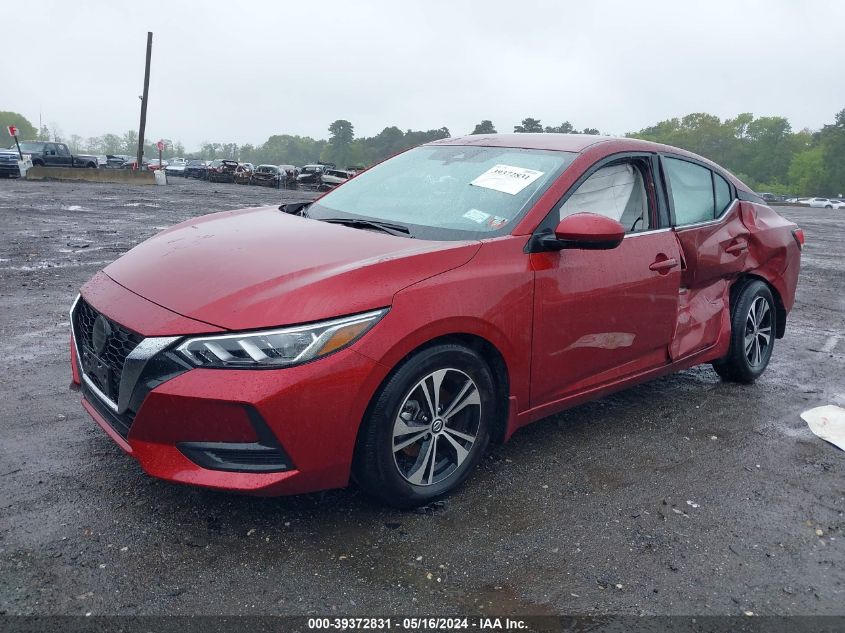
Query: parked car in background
point(768, 197)
point(268, 176)
point(837, 203)
point(243, 174)
point(155, 164)
point(309, 175)
point(290, 173)
point(222, 170)
point(50, 154)
point(196, 168)
point(819, 203)
point(116, 161)
point(9, 163)
point(331, 178)
point(431, 306)
point(132, 163)
point(176, 167)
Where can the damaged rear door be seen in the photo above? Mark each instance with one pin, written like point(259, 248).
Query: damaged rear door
point(714, 246)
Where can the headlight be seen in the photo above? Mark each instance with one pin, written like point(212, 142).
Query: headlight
point(280, 347)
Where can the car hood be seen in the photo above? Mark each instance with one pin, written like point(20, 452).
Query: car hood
point(257, 268)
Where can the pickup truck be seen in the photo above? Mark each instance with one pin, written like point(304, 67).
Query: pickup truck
point(49, 154)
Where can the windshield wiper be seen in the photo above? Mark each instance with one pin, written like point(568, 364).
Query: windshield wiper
point(360, 223)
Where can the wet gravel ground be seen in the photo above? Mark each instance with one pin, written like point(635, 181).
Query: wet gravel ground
point(682, 496)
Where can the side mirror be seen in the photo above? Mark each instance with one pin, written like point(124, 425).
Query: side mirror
point(587, 231)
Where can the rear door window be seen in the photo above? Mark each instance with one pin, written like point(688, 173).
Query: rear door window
point(691, 188)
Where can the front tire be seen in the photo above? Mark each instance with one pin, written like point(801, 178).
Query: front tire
point(753, 327)
point(427, 427)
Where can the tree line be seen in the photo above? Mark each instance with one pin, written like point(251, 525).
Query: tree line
point(764, 152)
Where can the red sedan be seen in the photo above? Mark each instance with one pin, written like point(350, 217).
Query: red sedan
point(435, 303)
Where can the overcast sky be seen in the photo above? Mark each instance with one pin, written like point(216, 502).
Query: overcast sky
point(240, 71)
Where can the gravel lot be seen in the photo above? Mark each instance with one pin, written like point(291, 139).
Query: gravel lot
point(682, 496)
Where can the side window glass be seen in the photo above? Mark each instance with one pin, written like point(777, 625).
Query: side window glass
point(723, 193)
point(692, 191)
point(616, 191)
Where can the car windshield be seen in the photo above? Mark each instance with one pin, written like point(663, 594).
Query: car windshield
point(266, 169)
point(448, 192)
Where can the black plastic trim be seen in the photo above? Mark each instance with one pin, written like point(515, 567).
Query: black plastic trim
point(236, 456)
point(120, 423)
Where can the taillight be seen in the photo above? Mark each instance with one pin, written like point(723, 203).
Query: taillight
point(798, 234)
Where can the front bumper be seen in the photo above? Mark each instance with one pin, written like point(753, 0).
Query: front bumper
point(184, 425)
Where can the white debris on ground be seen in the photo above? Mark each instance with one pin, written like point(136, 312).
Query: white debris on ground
point(827, 422)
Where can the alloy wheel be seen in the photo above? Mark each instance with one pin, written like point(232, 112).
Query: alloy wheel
point(758, 331)
point(436, 427)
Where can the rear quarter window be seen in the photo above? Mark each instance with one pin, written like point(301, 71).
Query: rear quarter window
point(723, 194)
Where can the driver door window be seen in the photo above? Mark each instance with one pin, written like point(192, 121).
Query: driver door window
point(617, 191)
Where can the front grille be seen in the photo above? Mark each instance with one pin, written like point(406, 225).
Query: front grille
point(103, 359)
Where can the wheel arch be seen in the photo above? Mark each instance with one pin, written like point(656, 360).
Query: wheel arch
point(780, 310)
point(491, 355)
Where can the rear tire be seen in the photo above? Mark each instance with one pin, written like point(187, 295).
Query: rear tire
point(753, 327)
point(427, 427)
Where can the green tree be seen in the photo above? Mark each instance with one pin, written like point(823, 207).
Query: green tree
point(26, 130)
point(75, 143)
point(590, 130)
point(130, 143)
point(563, 128)
point(339, 149)
point(528, 125)
point(832, 143)
point(806, 172)
point(113, 144)
point(485, 127)
point(770, 152)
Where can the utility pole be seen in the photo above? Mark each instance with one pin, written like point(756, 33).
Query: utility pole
point(144, 101)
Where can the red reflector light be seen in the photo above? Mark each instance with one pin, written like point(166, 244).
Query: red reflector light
point(798, 234)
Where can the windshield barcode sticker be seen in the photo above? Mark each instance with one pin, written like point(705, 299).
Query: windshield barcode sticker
point(506, 178)
point(476, 215)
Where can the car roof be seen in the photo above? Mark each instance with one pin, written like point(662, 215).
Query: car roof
point(579, 143)
point(558, 142)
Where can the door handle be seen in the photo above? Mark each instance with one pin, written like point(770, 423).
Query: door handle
point(737, 247)
point(663, 265)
